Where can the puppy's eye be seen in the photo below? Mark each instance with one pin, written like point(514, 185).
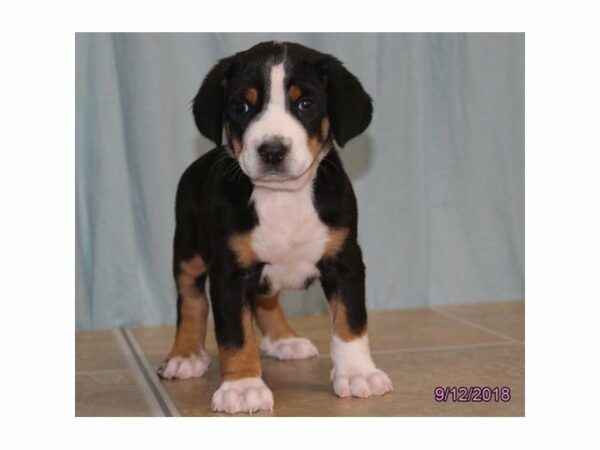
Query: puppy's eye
point(305, 104)
point(240, 108)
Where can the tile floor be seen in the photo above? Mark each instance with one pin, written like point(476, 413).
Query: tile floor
point(466, 345)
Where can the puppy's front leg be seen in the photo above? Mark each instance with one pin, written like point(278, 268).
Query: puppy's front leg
point(354, 373)
point(242, 388)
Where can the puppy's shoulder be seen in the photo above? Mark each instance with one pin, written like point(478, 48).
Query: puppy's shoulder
point(334, 196)
point(201, 167)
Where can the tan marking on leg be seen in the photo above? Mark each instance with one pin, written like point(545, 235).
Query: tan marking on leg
point(270, 318)
point(294, 93)
point(335, 242)
point(241, 244)
point(339, 321)
point(251, 95)
point(191, 331)
point(195, 266)
point(243, 362)
point(193, 310)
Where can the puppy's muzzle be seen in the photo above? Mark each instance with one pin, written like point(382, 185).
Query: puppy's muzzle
point(272, 153)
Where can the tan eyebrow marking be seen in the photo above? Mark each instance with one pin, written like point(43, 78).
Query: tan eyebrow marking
point(251, 95)
point(294, 93)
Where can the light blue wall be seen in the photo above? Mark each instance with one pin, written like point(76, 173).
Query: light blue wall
point(439, 174)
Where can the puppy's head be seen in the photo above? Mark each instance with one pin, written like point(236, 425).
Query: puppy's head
point(280, 104)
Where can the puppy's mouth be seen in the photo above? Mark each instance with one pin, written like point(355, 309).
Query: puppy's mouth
point(275, 175)
point(287, 174)
point(266, 173)
point(281, 174)
point(281, 179)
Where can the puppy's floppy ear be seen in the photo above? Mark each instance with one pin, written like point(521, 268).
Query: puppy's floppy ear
point(349, 106)
point(209, 104)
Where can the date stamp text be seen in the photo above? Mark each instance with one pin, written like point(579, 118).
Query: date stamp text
point(471, 394)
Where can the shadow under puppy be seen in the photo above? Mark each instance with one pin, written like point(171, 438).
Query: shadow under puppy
point(272, 209)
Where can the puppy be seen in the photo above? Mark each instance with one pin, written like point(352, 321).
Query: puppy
point(272, 209)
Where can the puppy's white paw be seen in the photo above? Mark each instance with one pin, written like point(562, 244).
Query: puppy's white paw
point(244, 395)
point(361, 385)
point(180, 367)
point(289, 348)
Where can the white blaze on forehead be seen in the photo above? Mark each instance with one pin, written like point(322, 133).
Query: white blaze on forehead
point(276, 122)
point(277, 99)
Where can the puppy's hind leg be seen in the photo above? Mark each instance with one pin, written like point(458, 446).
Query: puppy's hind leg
point(279, 339)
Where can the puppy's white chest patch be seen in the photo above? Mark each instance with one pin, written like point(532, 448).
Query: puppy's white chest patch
point(290, 237)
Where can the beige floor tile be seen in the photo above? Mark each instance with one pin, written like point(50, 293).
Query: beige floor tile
point(417, 374)
point(388, 330)
point(420, 349)
point(156, 342)
point(506, 318)
point(411, 328)
point(302, 388)
point(110, 394)
point(98, 350)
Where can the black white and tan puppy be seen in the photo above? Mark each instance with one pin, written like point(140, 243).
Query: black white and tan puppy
point(272, 209)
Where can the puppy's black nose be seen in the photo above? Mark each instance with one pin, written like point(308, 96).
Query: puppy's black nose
point(272, 152)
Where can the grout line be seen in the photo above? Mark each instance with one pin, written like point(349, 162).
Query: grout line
point(101, 371)
point(138, 375)
point(433, 348)
point(154, 390)
point(475, 325)
point(441, 347)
